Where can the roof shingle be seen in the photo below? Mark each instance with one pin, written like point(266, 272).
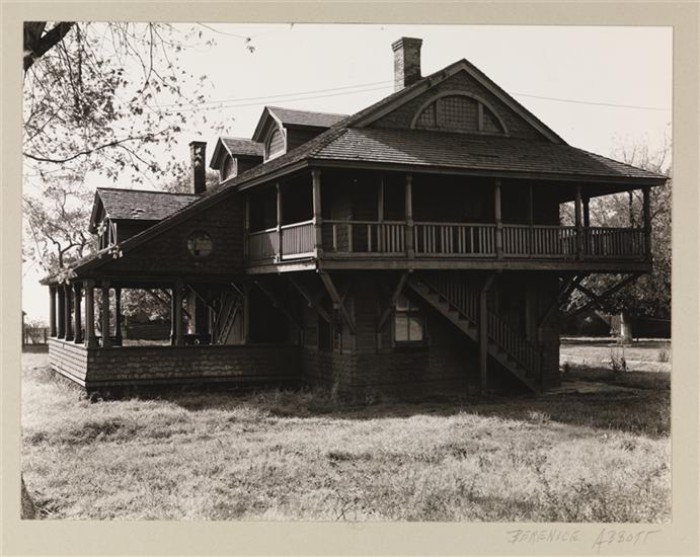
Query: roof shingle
point(141, 204)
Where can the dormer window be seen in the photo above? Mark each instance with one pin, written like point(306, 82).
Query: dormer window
point(459, 113)
point(229, 168)
point(274, 146)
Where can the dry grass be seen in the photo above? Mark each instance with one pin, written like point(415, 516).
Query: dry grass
point(303, 456)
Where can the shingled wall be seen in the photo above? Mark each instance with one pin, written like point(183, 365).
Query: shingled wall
point(137, 366)
point(402, 116)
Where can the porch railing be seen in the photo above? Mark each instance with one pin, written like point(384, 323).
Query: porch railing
point(263, 244)
point(432, 238)
point(297, 239)
point(436, 239)
point(386, 237)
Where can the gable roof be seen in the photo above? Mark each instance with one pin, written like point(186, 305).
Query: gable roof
point(370, 114)
point(141, 205)
point(291, 117)
point(236, 147)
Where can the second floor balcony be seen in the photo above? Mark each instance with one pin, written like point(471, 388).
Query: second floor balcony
point(334, 237)
point(432, 241)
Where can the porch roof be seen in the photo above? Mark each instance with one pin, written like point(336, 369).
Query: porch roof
point(435, 149)
point(142, 205)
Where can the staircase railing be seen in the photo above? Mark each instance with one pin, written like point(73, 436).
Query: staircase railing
point(514, 344)
point(226, 316)
point(465, 300)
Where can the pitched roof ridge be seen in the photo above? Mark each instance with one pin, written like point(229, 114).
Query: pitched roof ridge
point(270, 107)
point(104, 188)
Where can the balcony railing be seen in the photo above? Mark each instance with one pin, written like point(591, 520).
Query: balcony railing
point(433, 239)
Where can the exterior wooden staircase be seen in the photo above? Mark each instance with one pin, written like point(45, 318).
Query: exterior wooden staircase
point(231, 303)
point(459, 303)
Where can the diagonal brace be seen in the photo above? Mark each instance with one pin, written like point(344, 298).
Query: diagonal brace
point(394, 297)
point(337, 301)
point(598, 298)
point(276, 304)
point(312, 301)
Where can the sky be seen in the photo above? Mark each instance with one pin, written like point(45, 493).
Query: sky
point(599, 88)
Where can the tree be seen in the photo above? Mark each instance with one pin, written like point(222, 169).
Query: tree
point(56, 224)
point(102, 96)
point(649, 295)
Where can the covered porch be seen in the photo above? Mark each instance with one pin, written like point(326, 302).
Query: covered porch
point(354, 215)
point(208, 340)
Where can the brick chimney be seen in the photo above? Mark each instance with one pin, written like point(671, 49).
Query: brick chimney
point(406, 62)
point(197, 159)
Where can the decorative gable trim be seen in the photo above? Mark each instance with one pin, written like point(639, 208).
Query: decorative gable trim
point(458, 93)
point(372, 114)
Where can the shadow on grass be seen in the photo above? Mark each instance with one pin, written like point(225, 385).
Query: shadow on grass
point(643, 410)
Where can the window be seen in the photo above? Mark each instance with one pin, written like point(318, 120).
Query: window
point(409, 323)
point(458, 113)
point(229, 168)
point(275, 144)
point(200, 244)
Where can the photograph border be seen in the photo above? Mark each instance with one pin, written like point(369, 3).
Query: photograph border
point(64, 537)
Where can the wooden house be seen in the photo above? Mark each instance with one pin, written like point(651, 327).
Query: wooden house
point(414, 247)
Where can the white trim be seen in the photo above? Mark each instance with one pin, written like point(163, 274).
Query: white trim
point(458, 93)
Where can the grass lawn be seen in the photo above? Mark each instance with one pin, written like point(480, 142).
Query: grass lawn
point(565, 456)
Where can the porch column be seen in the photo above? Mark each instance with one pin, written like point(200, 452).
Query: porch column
point(579, 227)
point(90, 339)
point(246, 227)
point(52, 310)
point(410, 248)
point(118, 316)
point(61, 312)
point(106, 339)
point(77, 292)
point(278, 201)
point(646, 191)
point(246, 314)
point(484, 334)
point(176, 334)
point(498, 218)
point(69, 312)
point(317, 219)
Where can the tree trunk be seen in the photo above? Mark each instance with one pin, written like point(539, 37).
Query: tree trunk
point(625, 328)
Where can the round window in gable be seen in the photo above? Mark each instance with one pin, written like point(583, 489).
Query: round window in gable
point(200, 244)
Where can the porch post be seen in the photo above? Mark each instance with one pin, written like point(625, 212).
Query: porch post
point(52, 310)
point(176, 336)
point(90, 339)
point(380, 200)
point(579, 227)
point(317, 219)
point(278, 201)
point(410, 248)
point(118, 316)
point(498, 218)
point(484, 334)
point(246, 314)
point(77, 292)
point(106, 339)
point(61, 312)
point(246, 226)
point(69, 312)
point(646, 191)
